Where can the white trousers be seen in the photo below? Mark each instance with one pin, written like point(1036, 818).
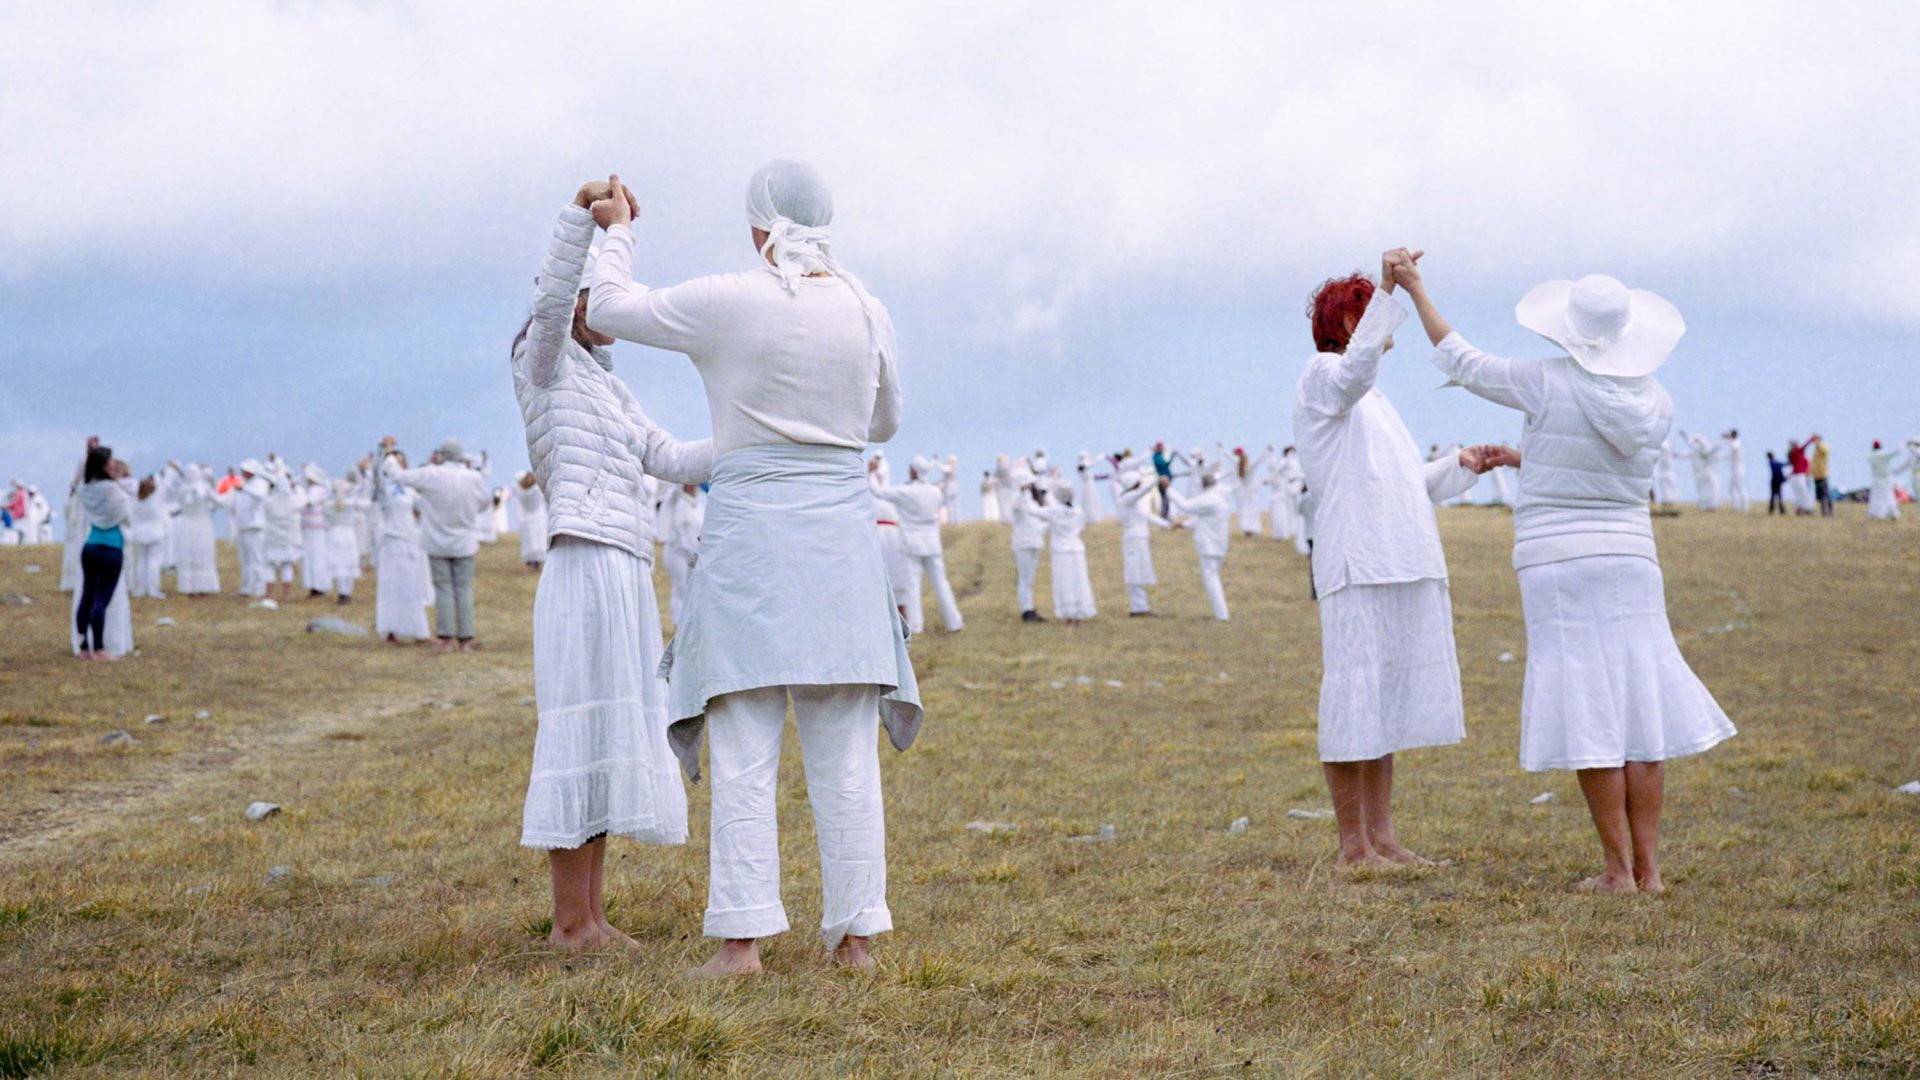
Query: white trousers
point(145, 568)
point(933, 567)
point(1210, 581)
point(1137, 598)
point(1737, 498)
point(839, 748)
point(253, 562)
point(1026, 563)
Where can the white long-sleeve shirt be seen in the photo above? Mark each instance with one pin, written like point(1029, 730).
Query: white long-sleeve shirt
point(1136, 512)
point(1212, 515)
point(450, 495)
point(916, 507)
point(778, 368)
point(1029, 527)
point(1065, 523)
point(1374, 523)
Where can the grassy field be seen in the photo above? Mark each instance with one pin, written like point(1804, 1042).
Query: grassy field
point(144, 927)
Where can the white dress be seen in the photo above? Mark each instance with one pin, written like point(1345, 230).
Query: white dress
point(197, 570)
point(1072, 587)
point(600, 757)
point(533, 525)
point(402, 590)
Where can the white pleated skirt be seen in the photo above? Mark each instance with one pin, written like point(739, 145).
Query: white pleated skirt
point(601, 763)
point(1072, 588)
point(1391, 680)
point(1606, 683)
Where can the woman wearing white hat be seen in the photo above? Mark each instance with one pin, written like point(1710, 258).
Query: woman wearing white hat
point(790, 601)
point(1881, 503)
point(1390, 680)
point(1136, 545)
point(1029, 538)
point(1608, 694)
point(282, 542)
point(198, 571)
point(533, 520)
point(316, 555)
point(1072, 588)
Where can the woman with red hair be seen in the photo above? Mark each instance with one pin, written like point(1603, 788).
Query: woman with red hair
point(1391, 680)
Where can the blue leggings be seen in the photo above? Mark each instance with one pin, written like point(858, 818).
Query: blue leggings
point(99, 575)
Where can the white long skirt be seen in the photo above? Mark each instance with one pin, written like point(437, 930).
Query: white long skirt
point(533, 536)
point(601, 763)
point(197, 569)
point(343, 556)
point(989, 505)
point(1606, 683)
point(1391, 680)
point(1136, 561)
point(1072, 588)
point(401, 590)
point(1881, 505)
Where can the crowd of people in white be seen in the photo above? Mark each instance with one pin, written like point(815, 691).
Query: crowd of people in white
point(797, 564)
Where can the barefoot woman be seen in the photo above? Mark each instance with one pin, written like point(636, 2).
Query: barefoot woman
point(1607, 693)
point(600, 759)
point(1391, 681)
point(790, 600)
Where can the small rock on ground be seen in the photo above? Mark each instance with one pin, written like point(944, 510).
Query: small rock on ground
point(17, 599)
point(991, 827)
point(260, 811)
point(1239, 826)
point(153, 718)
point(1911, 787)
point(165, 620)
point(1309, 815)
point(203, 715)
point(334, 624)
point(278, 872)
point(1107, 832)
point(375, 879)
point(1542, 799)
point(267, 604)
point(119, 738)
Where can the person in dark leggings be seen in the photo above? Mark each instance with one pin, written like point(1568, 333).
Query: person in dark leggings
point(104, 499)
point(1776, 481)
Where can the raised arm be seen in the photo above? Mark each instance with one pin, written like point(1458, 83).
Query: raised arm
point(555, 292)
point(677, 318)
point(1517, 384)
point(1338, 386)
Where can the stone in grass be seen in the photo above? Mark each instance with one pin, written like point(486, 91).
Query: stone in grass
point(334, 624)
point(988, 828)
point(1156, 684)
point(1507, 658)
point(1309, 815)
point(165, 620)
point(1083, 680)
point(260, 811)
point(1239, 826)
point(1107, 832)
point(199, 890)
point(118, 738)
point(1542, 799)
point(153, 718)
point(1115, 684)
point(1911, 787)
point(17, 599)
point(277, 873)
point(203, 715)
point(1058, 685)
point(265, 604)
point(31, 568)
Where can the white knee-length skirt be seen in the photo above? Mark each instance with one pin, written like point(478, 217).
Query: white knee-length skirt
point(1606, 683)
point(601, 763)
point(1391, 679)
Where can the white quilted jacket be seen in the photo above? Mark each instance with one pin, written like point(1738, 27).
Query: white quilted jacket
point(587, 438)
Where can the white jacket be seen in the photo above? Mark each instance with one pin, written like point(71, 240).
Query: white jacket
point(917, 506)
point(1587, 455)
point(587, 438)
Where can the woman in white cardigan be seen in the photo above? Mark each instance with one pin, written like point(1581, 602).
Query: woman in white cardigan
point(1607, 692)
point(1391, 681)
point(601, 763)
point(790, 600)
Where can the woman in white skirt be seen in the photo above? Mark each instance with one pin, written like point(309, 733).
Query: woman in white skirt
point(533, 521)
point(790, 602)
point(147, 540)
point(343, 543)
point(601, 764)
point(1881, 503)
point(1136, 545)
point(1072, 588)
point(402, 590)
point(197, 571)
point(1607, 692)
point(1391, 681)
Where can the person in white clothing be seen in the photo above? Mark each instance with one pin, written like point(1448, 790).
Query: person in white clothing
point(989, 498)
point(790, 604)
point(39, 517)
point(249, 515)
point(682, 514)
point(1502, 487)
point(453, 498)
point(917, 506)
point(1135, 505)
point(1287, 480)
point(1666, 474)
point(1390, 679)
point(146, 535)
point(601, 763)
point(1212, 516)
point(1246, 490)
point(1067, 552)
point(74, 517)
point(1706, 471)
point(1607, 692)
point(316, 558)
point(281, 544)
point(1737, 499)
point(1086, 490)
point(343, 546)
point(532, 504)
point(102, 624)
point(1029, 539)
point(1913, 468)
point(197, 569)
point(1882, 505)
point(902, 575)
point(402, 588)
point(950, 490)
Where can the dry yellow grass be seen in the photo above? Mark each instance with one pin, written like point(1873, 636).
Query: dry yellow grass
point(139, 931)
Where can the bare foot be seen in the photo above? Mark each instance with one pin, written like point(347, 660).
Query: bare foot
point(584, 939)
point(1394, 853)
point(470, 645)
point(444, 645)
point(852, 953)
point(84, 654)
point(1607, 883)
point(736, 957)
point(1649, 883)
point(108, 657)
point(1364, 859)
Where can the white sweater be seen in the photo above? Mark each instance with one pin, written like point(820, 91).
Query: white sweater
point(450, 497)
point(1587, 455)
point(587, 437)
point(778, 368)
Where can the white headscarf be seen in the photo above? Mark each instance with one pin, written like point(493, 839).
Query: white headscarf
point(791, 201)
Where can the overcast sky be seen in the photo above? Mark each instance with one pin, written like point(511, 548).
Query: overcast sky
point(233, 228)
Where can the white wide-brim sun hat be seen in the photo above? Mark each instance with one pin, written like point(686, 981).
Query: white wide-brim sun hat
point(1606, 327)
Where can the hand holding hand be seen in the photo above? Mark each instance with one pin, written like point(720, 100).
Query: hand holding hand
point(617, 207)
point(592, 192)
point(1483, 459)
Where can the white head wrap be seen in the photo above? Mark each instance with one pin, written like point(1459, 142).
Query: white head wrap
point(792, 203)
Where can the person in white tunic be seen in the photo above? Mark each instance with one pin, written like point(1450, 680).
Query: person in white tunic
point(1246, 490)
point(75, 519)
point(1737, 498)
point(1502, 487)
point(532, 504)
point(1087, 490)
point(1390, 679)
point(1067, 553)
point(316, 557)
point(1666, 473)
point(283, 540)
point(902, 575)
point(1882, 505)
point(1607, 692)
point(146, 537)
point(1212, 517)
point(39, 517)
point(682, 515)
point(343, 546)
point(1029, 539)
point(197, 572)
point(989, 498)
point(1706, 471)
point(1135, 505)
point(1287, 480)
point(917, 506)
point(101, 626)
point(790, 601)
point(402, 589)
point(249, 515)
point(601, 763)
